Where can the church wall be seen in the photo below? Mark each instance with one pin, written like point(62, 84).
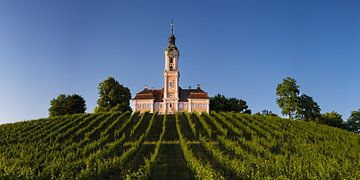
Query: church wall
point(143, 105)
point(183, 107)
point(159, 107)
point(199, 105)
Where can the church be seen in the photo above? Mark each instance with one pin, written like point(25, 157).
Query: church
point(171, 98)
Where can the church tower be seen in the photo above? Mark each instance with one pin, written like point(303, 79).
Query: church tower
point(171, 98)
point(171, 76)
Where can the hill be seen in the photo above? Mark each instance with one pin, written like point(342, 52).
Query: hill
point(183, 146)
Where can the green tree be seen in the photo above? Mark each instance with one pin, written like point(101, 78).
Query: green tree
point(332, 119)
point(287, 96)
point(308, 109)
point(113, 96)
point(67, 104)
point(354, 121)
point(221, 103)
point(266, 112)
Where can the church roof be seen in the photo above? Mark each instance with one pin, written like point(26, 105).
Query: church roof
point(197, 93)
point(184, 94)
point(156, 94)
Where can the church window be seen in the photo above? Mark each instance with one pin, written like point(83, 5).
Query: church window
point(143, 106)
point(171, 63)
point(160, 105)
point(156, 105)
point(148, 105)
point(170, 105)
point(171, 84)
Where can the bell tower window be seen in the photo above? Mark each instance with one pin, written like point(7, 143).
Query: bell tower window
point(171, 63)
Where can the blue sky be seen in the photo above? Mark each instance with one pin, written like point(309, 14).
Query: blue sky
point(241, 49)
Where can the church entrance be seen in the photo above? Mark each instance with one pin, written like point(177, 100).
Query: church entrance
point(170, 108)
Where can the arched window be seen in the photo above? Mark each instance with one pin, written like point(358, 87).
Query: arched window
point(171, 65)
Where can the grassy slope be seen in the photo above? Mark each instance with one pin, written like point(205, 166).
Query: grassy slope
point(109, 146)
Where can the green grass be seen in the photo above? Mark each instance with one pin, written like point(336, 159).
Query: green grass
point(186, 146)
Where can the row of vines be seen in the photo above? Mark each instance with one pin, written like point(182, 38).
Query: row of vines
point(225, 145)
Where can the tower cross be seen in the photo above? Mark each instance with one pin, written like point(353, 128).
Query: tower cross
point(172, 27)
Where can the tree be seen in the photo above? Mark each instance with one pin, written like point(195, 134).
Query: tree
point(221, 103)
point(266, 112)
point(67, 104)
point(332, 119)
point(113, 96)
point(308, 109)
point(354, 121)
point(287, 96)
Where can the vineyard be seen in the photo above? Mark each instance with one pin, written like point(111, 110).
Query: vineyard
point(182, 146)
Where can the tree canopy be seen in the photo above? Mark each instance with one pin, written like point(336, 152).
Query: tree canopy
point(266, 112)
point(354, 121)
point(287, 96)
point(113, 96)
point(307, 108)
point(332, 119)
point(222, 103)
point(67, 104)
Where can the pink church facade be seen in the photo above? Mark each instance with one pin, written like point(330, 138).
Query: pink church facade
point(171, 98)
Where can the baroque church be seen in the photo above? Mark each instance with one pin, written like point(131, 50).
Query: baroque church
point(172, 98)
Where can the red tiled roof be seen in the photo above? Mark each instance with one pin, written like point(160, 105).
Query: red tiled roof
point(156, 94)
point(197, 93)
point(194, 95)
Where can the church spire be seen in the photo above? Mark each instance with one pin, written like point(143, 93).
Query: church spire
point(172, 26)
point(172, 36)
point(172, 49)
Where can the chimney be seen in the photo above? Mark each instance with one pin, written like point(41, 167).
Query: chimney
point(198, 86)
point(146, 86)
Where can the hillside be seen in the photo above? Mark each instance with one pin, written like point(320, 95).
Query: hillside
point(216, 146)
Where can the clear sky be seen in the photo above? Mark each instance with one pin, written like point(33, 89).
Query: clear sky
point(239, 48)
